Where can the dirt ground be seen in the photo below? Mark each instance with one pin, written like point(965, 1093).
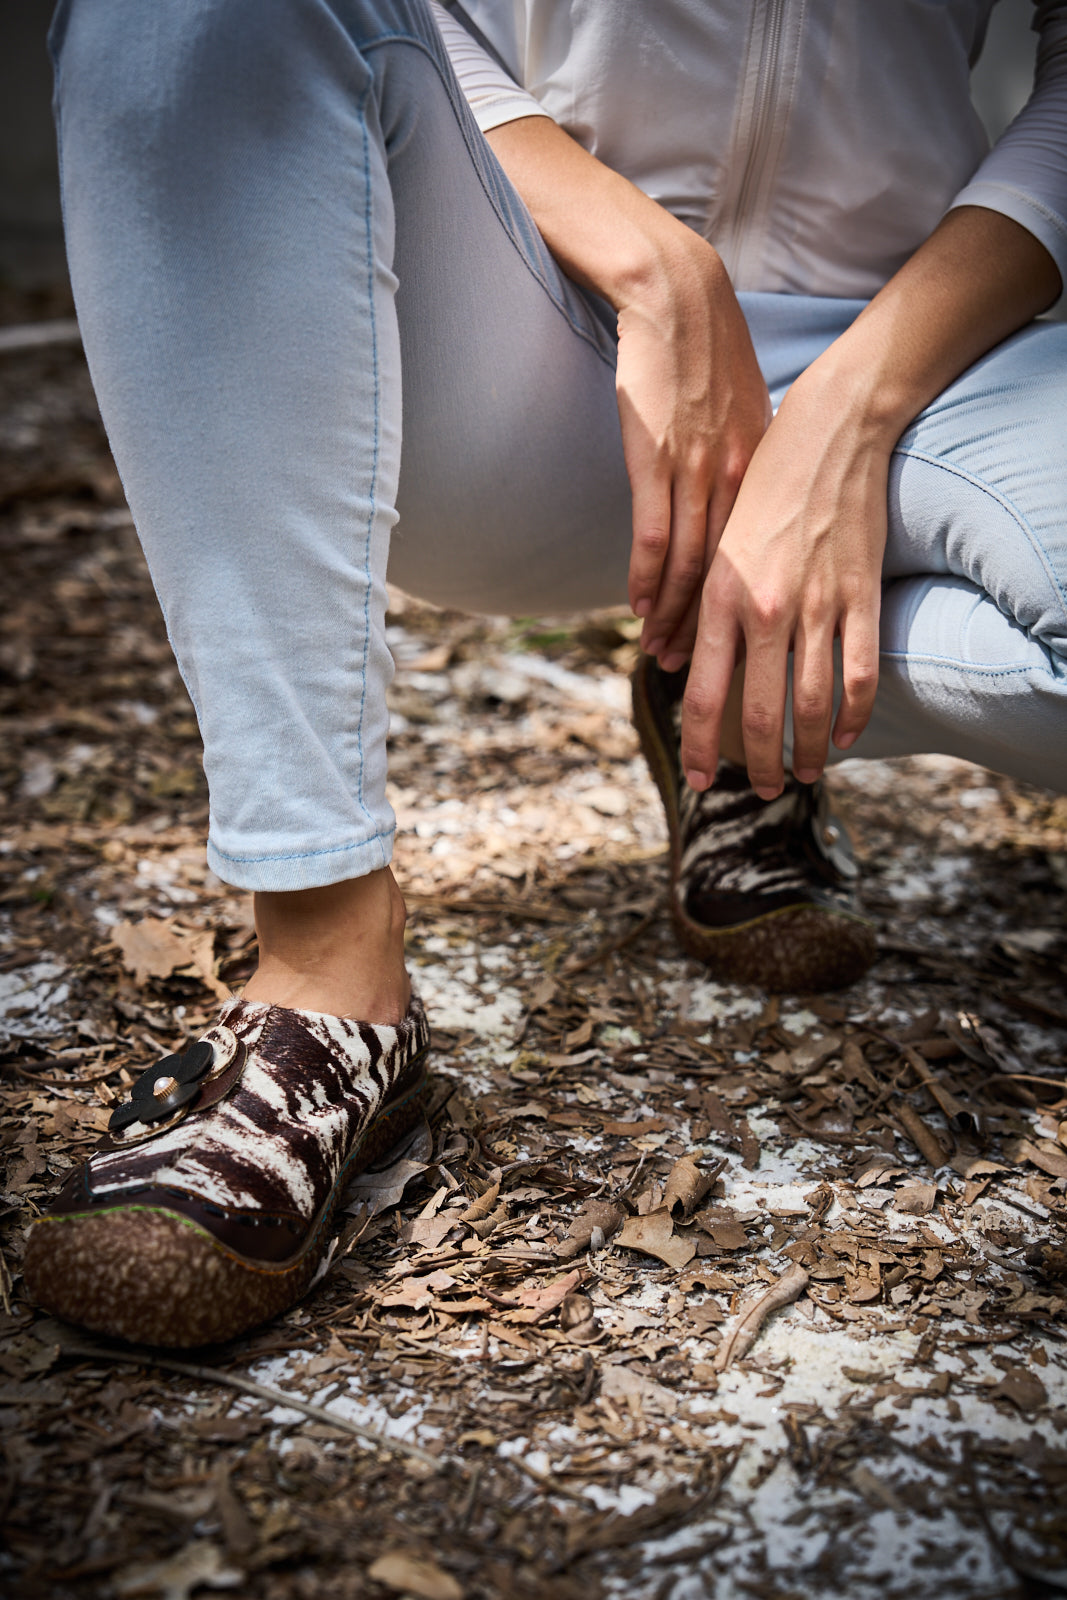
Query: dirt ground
point(550, 1353)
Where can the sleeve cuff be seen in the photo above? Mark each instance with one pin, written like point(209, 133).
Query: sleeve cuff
point(498, 109)
point(1045, 225)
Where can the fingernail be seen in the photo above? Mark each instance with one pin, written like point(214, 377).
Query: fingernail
point(654, 646)
point(843, 740)
point(676, 659)
point(642, 608)
point(806, 774)
point(767, 793)
point(697, 780)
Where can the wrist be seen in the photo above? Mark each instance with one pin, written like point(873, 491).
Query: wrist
point(662, 262)
point(853, 380)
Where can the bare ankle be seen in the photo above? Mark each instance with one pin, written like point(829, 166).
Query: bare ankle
point(338, 949)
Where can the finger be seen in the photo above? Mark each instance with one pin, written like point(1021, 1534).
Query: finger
point(859, 671)
point(651, 537)
point(763, 710)
point(708, 684)
point(679, 647)
point(683, 570)
point(813, 699)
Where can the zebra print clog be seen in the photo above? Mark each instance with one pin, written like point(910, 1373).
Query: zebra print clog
point(208, 1208)
point(762, 892)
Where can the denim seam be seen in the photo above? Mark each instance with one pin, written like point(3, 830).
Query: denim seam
point(369, 221)
point(970, 667)
point(476, 162)
point(304, 855)
point(1005, 505)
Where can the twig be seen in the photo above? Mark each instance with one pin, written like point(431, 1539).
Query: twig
point(61, 1083)
point(789, 1287)
point(546, 1482)
point(618, 943)
point(518, 910)
point(34, 335)
point(277, 1397)
point(922, 1137)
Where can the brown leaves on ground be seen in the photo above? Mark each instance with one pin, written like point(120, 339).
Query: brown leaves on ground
point(155, 949)
point(570, 1281)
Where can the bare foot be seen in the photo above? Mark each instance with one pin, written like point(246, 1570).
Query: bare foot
point(339, 949)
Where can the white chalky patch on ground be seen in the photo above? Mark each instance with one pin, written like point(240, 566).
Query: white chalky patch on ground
point(800, 1022)
point(784, 1514)
point(32, 1000)
point(456, 995)
point(704, 1000)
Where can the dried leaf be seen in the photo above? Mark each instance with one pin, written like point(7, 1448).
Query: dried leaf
point(922, 1135)
point(483, 1206)
point(789, 1287)
point(379, 1188)
point(238, 1529)
point(200, 960)
point(636, 1391)
point(861, 1289)
point(594, 1214)
point(536, 1302)
point(750, 1148)
point(175, 1578)
point(725, 1231)
point(577, 1319)
point(687, 1186)
point(634, 1130)
point(429, 1231)
point(653, 1235)
point(915, 1199)
point(1045, 1155)
point(1023, 1388)
point(416, 1293)
point(407, 1574)
point(878, 1170)
point(150, 948)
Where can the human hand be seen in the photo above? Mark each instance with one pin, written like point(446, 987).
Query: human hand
point(693, 406)
point(798, 565)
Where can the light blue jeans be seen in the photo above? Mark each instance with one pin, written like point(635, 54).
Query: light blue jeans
point(274, 214)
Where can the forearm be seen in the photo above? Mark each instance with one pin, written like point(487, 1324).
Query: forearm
point(605, 233)
point(977, 279)
point(692, 401)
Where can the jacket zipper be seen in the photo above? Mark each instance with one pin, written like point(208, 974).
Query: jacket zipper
point(755, 136)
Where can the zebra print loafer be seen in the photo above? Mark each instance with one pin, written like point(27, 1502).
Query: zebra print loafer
point(207, 1210)
point(762, 892)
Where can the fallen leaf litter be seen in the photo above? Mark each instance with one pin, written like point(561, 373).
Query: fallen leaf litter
point(680, 1290)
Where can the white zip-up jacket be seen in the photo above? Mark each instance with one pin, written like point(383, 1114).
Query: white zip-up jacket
point(815, 143)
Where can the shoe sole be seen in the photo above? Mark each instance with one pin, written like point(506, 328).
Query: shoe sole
point(793, 949)
point(155, 1277)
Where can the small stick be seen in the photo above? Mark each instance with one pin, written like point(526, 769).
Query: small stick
point(789, 1287)
point(921, 1135)
point(619, 942)
point(277, 1397)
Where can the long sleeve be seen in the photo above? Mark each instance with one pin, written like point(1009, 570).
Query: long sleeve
point(1025, 174)
point(493, 96)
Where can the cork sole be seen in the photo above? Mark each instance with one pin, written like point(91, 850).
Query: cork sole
point(154, 1277)
point(793, 949)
